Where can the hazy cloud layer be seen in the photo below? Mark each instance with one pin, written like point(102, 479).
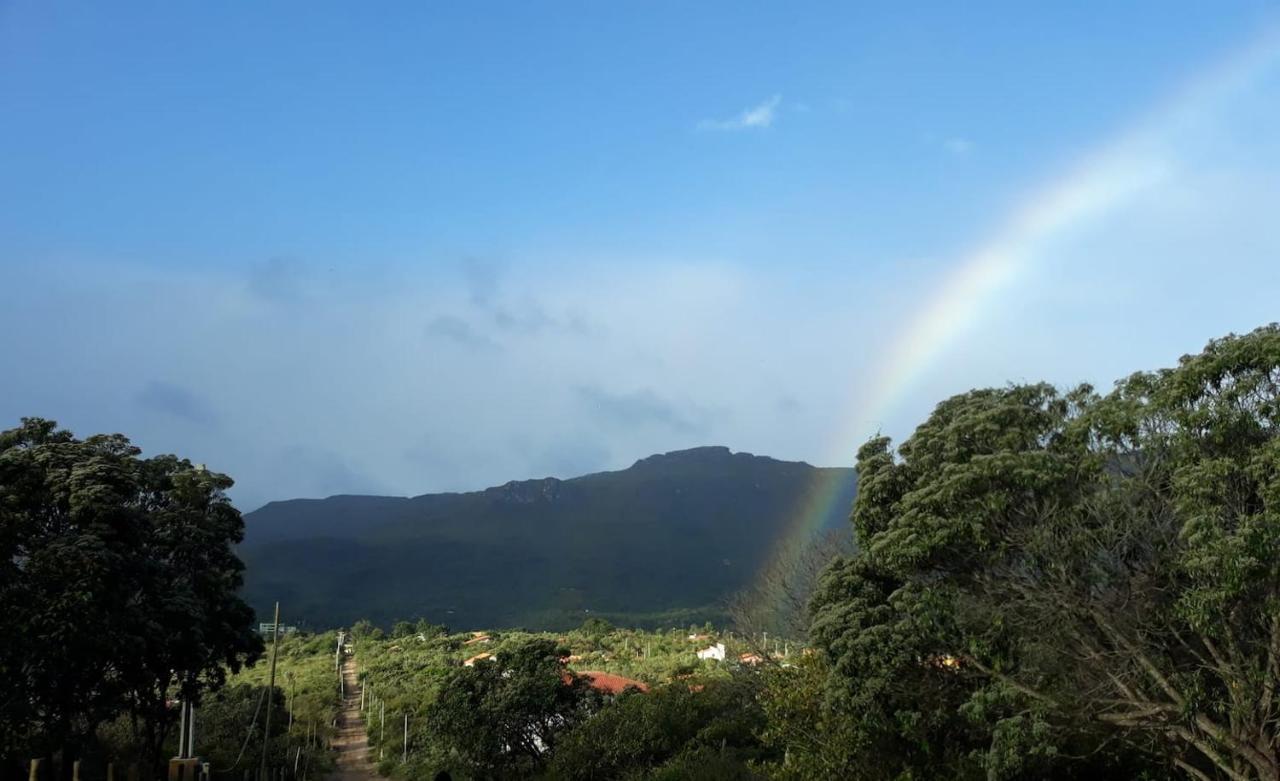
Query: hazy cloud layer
point(642, 407)
point(177, 401)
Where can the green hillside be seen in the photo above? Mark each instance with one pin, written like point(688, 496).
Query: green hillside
point(661, 543)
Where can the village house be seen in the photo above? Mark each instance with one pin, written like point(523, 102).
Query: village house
point(714, 652)
point(479, 658)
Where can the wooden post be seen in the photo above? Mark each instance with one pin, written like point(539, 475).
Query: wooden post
point(111, 771)
point(75, 770)
point(271, 686)
point(34, 774)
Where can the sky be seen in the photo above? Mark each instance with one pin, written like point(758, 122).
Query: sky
point(330, 249)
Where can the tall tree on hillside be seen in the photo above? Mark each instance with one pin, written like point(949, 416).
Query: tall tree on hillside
point(1042, 575)
point(69, 583)
point(196, 628)
point(117, 583)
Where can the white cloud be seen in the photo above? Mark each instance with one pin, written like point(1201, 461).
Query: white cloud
point(958, 146)
point(754, 117)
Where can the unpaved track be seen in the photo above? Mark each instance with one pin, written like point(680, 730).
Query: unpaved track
point(352, 742)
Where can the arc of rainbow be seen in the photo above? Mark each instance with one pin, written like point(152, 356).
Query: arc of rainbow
point(1104, 181)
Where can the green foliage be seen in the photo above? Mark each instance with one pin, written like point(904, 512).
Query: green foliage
point(421, 676)
point(503, 716)
point(1044, 575)
point(119, 575)
point(305, 706)
point(596, 627)
point(671, 729)
point(818, 739)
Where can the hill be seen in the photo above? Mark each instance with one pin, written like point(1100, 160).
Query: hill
point(663, 542)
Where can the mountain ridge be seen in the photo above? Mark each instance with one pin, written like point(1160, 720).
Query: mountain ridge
point(673, 534)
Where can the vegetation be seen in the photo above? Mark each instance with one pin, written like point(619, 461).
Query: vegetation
point(533, 695)
point(118, 589)
point(1070, 583)
point(306, 706)
point(1040, 584)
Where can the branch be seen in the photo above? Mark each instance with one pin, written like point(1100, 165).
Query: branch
point(1010, 682)
point(1213, 756)
point(1192, 770)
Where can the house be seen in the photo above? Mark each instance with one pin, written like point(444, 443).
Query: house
point(608, 683)
point(266, 629)
point(480, 657)
point(698, 638)
point(750, 658)
point(713, 652)
point(478, 638)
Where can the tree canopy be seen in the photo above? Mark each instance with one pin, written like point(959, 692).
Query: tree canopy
point(1047, 575)
point(119, 575)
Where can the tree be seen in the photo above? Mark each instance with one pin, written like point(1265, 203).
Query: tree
point(1045, 574)
point(672, 726)
point(777, 601)
point(119, 575)
point(596, 627)
point(197, 628)
point(69, 533)
point(502, 718)
point(429, 630)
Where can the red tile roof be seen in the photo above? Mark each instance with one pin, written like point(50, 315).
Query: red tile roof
point(610, 683)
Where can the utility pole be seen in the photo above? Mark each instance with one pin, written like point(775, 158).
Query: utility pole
point(382, 729)
point(271, 687)
point(405, 758)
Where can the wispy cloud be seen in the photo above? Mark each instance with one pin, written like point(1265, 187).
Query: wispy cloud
point(640, 408)
point(958, 146)
point(457, 330)
point(760, 116)
point(175, 400)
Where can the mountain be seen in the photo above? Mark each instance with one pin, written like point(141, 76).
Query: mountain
point(663, 542)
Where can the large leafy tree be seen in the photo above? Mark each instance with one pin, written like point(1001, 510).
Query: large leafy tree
point(117, 585)
point(1053, 583)
point(503, 717)
point(195, 627)
point(68, 583)
point(644, 731)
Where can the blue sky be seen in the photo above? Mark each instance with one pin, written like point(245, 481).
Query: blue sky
point(330, 250)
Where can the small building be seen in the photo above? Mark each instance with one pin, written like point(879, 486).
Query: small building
point(480, 657)
point(608, 683)
point(750, 658)
point(267, 628)
point(714, 652)
point(478, 638)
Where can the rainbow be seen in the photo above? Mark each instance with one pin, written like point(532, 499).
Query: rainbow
point(1112, 176)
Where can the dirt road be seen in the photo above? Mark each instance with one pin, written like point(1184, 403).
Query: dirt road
point(352, 742)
